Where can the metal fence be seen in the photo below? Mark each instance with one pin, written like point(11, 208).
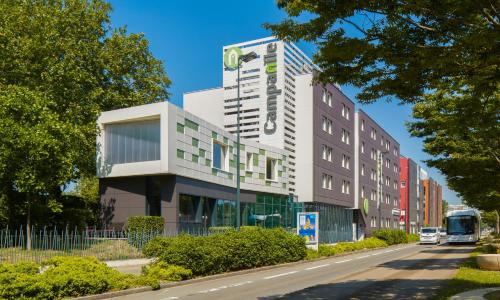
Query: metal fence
point(102, 244)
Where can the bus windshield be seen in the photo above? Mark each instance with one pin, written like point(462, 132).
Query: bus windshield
point(461, 225)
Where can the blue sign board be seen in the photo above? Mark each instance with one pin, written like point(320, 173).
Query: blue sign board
point(308, 226)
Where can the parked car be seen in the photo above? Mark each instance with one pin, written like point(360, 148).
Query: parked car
point(442, 232)
point(430, 235)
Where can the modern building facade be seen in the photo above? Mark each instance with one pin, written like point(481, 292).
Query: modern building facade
point(411, 196)
point(157, 159)
point(433, 194)
point(376, 176)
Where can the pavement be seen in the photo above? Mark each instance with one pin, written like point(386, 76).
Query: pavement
point(401, 272)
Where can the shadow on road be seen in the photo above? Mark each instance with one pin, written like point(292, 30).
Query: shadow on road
point(369, 289)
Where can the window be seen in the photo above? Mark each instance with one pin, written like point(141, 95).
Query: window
point(362, 125)
point(345, 111)
point(327, 181)
point(362, 147)
point(373, 195)
point(327, 125)
point(327, 153)
point(271, 170)
point(249, 162)
point(345, 136)
point(220, 159)
point(363, 170)
point(324, 96)
point(373, 175)
point(329, 100)
point(403, 184)
point(346, 186)
point(132, 142)
point(362, 191)
point(346, 161)
point(373, 134)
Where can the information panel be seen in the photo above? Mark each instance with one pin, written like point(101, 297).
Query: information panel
point(308, 228)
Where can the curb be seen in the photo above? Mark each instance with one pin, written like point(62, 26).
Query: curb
point(136, 290)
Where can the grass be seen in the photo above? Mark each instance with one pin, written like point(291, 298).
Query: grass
point(470, 277)
point(105, 250)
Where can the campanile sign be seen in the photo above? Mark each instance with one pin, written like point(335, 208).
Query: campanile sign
point(271, 68)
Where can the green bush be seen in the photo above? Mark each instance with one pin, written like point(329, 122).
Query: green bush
point(229, 251)
point(369, 243)
point(165, 272)
point(154, 247)
point(391, 236)
point(413, 238)
point(145, 224)
point(64, 277)
point(219, 229)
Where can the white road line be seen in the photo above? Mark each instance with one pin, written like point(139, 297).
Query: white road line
point(388, 251)
point(169, 298)
point(376, 253)
point(279, 275)
point(365, 256)
point(343, 261)
point(240, 283)
point(317, 267)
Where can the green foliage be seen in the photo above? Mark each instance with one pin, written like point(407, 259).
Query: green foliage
point(64, 277)
point(391, 236)
point(411, 238)
point(369, 243)
point(145, 224)
point(165, 272)
point(439, 55)
point(229, 251)
point(62, 64)
point(155, 246)
point(220, 229)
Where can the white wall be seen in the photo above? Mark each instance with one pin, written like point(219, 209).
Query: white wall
point(206, 104)
point(304, 138)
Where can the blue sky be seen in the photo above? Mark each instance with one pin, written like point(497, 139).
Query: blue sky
point(188, 37)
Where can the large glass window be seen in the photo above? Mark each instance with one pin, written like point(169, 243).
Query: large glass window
point(153, 196)
point(132, 142)
point(271, 170)
point(461, 225)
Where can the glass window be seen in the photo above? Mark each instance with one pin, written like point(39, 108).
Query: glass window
point(249, 163)
point(132, 142)
point(219, 156)
point(271, 170)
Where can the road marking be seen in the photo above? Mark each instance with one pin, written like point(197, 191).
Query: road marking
point(279, 275)
point(317, 267)
point(240, 283)
point(219, 288)
point(169, 298)
point(388, 251)
point(376, 253)
point(343, 261)
point(363, 256)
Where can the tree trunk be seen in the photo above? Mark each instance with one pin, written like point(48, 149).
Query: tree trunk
point(28, 225)
point(497, 229)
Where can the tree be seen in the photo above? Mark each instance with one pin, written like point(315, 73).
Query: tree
point(443, 212)
point(491, 219)
point(61, 64)
point(441, 56)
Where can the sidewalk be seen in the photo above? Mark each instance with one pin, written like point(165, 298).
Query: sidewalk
point(129, 266)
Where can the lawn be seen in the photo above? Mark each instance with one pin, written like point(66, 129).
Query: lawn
point(470, 277)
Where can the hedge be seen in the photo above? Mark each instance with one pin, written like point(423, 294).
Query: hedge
point(228, 251)
point(369, 243)
point(64, 277)
point(145, 224)
point(391, 236)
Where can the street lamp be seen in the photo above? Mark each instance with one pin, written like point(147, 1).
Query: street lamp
point(380, 167)
point(241, 59)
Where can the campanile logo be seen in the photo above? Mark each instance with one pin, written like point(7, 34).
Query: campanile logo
point(231, 57)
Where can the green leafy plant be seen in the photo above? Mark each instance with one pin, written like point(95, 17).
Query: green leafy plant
point(145, 224)
point(229, 251)
point(165, 272)
point(391, 236)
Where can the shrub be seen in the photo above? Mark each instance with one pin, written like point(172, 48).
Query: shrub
point(165, 272)
point(413, 238)
point(219, 229)
point(369, 243)
point(145, 224)
point(154, 247)
point(391, 236)
point(64, 277)
point(231, 250)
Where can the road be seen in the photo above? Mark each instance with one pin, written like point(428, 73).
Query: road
point(401, 272)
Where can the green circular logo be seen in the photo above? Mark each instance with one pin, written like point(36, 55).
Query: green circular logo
point(231, 57)
point(366, 206)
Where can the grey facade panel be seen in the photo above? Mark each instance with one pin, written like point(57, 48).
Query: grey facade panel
point(320, 138)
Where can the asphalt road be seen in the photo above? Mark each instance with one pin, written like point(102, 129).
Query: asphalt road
point(401, 272)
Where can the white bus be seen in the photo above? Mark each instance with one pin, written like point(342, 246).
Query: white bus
point(463, 226)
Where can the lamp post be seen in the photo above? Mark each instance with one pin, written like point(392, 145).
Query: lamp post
point(380, 167)
point(241, 59)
